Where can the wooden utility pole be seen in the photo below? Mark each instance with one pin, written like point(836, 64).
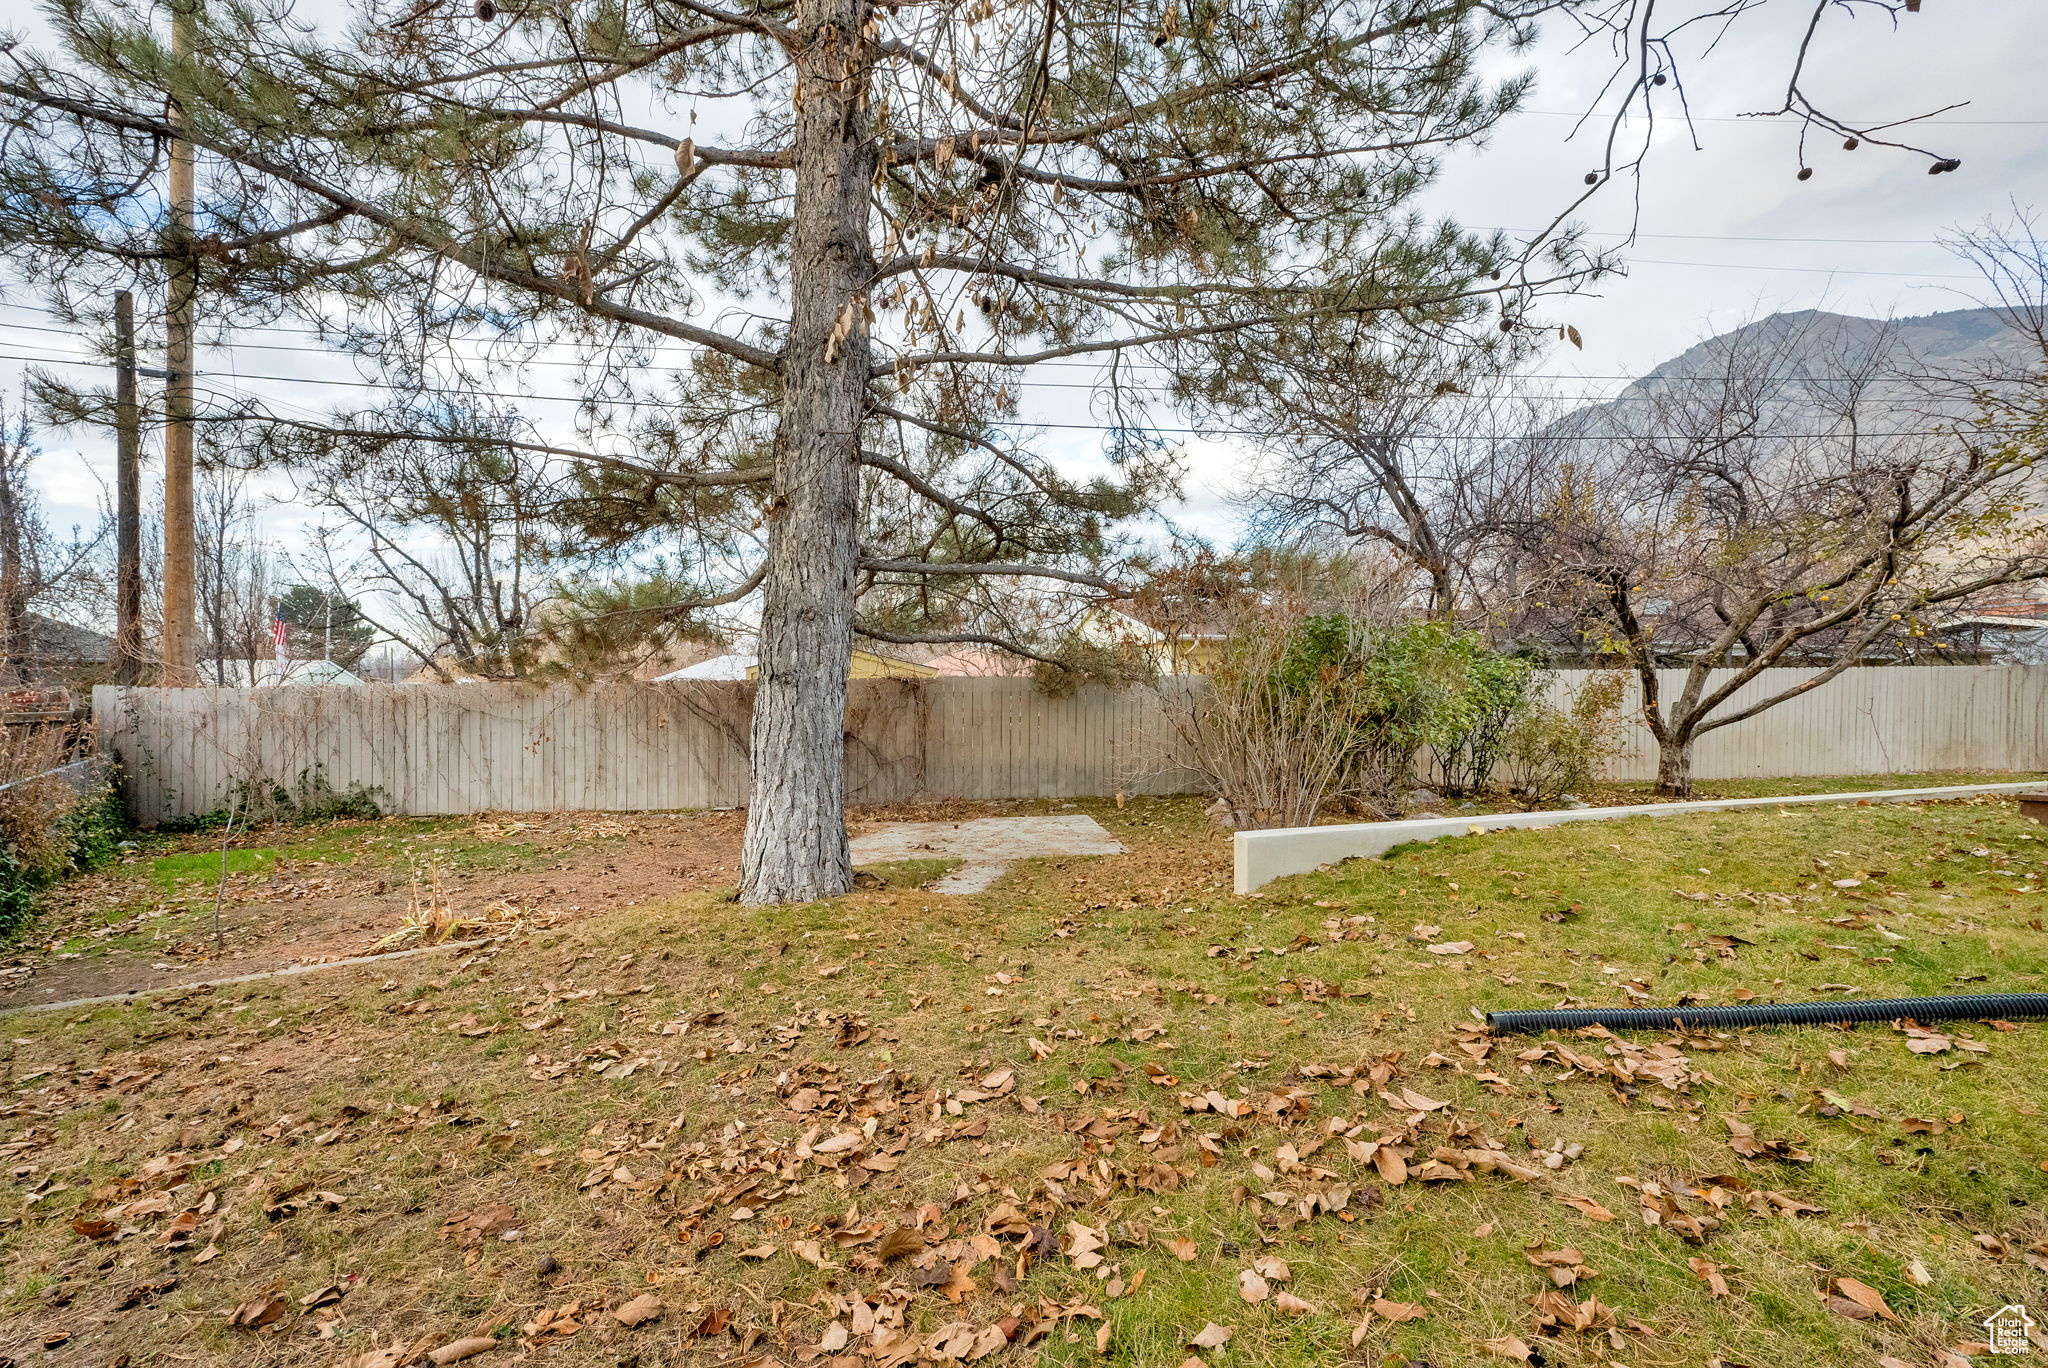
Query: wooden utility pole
point(127, 499)
point(180, 624)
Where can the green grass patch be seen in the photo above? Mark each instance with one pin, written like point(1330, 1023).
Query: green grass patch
point(676, 1043)
point(910, 873)
point(204, 866)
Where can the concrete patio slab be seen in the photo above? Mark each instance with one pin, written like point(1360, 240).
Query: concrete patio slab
point(986, 845)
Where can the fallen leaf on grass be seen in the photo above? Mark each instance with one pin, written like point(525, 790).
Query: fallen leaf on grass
point(1917, 1274)
point(95, 1229)
point(1555, 1313)
point(1398, 1312)
point(1287, 1304)
point(458, 1350)
point(1182, 1248)
point(471, 1228)
point(1451, 948)
point(1212, 1336)
point(1508, 1347)
point(375, 1358)
point(1252, 1287)
point(1709, 1272)
point(1858, 1300)
point(1588, 1208)
point(898, 1242)
point(258, 1312)
point(1565, 1266)
point(1743, 1139)
point(1272, 1267)
point(643, 1308)
point(1412, 1100)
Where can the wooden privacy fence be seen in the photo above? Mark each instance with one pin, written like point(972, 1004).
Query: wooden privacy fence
point(479, 747)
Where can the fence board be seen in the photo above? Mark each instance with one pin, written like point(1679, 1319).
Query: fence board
point(481, 747)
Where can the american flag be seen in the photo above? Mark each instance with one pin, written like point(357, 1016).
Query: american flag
point(277, 634)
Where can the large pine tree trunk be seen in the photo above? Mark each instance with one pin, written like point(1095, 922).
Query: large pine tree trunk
point(795, 845)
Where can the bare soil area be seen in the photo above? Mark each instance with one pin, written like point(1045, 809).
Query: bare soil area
point(312, 894)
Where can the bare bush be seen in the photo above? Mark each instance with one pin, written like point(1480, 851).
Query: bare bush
point(1547, 751)
point(34, 803)
point(1272, 756)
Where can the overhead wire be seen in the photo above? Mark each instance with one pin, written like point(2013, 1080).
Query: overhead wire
point(1020, 423)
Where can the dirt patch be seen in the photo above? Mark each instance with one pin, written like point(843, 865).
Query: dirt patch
point(324, 899)
point(330, 893)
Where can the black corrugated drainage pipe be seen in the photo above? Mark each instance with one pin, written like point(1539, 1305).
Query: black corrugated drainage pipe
point(2022, 1005)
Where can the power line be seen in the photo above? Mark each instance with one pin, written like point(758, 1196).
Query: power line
point(1148, 390)
point(1019, 423)
point(1766, 121)
point(1105, 364)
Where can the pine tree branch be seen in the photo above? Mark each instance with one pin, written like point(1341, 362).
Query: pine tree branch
point(403, 225)
point(874, 633)
point(1011, 569)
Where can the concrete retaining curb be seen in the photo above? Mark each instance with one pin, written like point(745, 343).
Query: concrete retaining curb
point(1259, 857)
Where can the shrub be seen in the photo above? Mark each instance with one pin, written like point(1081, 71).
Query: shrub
point(1304, 710)
point(1501, 688)
point(309, 798)
point(1548, 751)
point(1270, 730)
point(47, 828)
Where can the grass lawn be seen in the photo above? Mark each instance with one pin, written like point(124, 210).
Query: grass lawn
point(1083, 1116)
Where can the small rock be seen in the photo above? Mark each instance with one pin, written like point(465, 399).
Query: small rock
point(547, 1267)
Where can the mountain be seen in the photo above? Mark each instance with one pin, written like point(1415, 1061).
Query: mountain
point(1795, 375)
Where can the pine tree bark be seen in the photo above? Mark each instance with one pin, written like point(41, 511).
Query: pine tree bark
point(795, 846)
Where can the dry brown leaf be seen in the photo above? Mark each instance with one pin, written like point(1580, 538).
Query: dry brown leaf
point(1272, 1267)
point(1287, 1304)
point(1588, 1208)
point(1709, 1273)
point(1507, 1347)
point(1252, 1287)
point(258, 1312)
point(1861, 1294)
point(1182, 1248)
point(455, 1351)
point(643, 1308)
point(1398, 1312)
point(1212, 1336)
point(898, 1242)
point(375, 1358)
point(1565, 1266)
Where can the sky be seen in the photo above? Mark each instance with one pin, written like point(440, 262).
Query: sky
point(1723, 231)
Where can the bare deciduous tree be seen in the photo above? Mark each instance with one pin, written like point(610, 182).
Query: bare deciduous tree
point(1787, 510)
